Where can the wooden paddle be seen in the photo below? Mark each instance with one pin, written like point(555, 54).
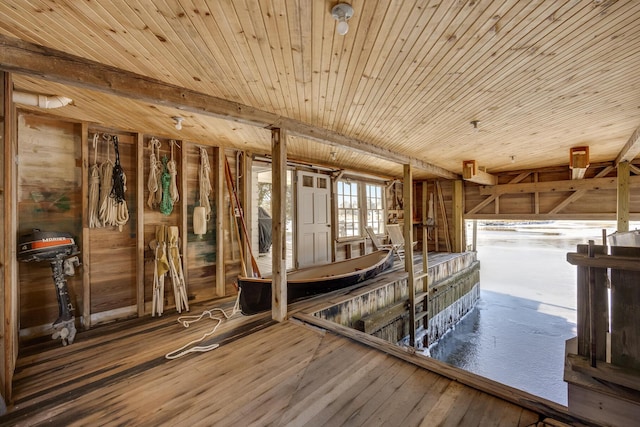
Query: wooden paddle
point(236, 205)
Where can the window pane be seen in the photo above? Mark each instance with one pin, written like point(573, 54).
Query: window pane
point(375, 208)
point(348, 209)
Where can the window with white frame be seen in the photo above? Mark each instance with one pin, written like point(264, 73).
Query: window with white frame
point(348, 209)
point(375, 208)
point(360, 204)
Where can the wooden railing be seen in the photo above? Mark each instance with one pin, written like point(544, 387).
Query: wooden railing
point(602, 313)
point(604, 367)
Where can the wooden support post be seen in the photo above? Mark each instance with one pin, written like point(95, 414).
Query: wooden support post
point(244, 171)
point(278, 225)
point(9, 268)
point(140, 246)
point(85, 256)
point(184, 214)
point(474, 247)
point(425, 195)
point(458, 218)
point(219, 208)
point(536, 196)
point(407, 197)
point(623, 196)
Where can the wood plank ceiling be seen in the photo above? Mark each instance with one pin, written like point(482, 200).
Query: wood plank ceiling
point(409, 76)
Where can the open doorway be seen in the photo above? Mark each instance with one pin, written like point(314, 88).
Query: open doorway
point(262, 217)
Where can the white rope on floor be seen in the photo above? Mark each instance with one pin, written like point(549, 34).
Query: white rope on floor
point(186, 321)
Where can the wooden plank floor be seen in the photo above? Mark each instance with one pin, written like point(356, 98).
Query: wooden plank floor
point(279, 374)
point(263, 373)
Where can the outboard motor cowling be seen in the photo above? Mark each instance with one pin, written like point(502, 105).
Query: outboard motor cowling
point(60, 250)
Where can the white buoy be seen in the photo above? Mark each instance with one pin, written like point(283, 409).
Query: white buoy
point(199, 221)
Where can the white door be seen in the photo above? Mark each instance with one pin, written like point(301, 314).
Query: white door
point(314, 219)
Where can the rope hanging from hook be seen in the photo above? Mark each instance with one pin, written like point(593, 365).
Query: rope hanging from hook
point(172, 167)
point(155, 174)
point(166, 205)
point(94, 187)
point(204, 178)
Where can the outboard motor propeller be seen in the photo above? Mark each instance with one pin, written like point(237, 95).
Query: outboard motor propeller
point(60, 250)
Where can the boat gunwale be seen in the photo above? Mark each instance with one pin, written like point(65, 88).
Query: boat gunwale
point(292, 280)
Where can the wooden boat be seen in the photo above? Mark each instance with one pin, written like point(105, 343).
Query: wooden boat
point(255, 295)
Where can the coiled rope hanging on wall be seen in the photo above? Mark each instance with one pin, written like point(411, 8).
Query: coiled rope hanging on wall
point(94, 187)
point(166, 205)
point(173, 171)
point(155, 174)
point(204, 183)
point(106, 184)
point(118, 189)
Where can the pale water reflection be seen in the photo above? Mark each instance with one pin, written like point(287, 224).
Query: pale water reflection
point(516, 334)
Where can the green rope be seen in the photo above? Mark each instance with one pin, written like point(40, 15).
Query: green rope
point(166, 204)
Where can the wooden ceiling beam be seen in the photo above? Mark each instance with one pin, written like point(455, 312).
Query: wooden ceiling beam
point(631, 149)
point(27, 58)
point(490, 199)
point(557, 186)
point(578, 193)
point(472, 173)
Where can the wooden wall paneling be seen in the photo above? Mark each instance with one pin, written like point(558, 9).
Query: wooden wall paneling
point(139, 221)
point(625, 316)
point(114, 265)
point(218, 206)
point(152, 219)
point(200, 259)
point(48, 197)
point(600, 307)
point(87, 150)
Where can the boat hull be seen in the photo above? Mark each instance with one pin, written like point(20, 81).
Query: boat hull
point(255, 293)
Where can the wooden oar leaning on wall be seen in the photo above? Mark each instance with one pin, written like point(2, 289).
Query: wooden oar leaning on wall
point(237, 208)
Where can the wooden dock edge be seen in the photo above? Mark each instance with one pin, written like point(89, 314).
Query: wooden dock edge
point(521, 398)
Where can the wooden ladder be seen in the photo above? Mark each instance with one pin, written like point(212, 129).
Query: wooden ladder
point(418, 290)
point(418, 295)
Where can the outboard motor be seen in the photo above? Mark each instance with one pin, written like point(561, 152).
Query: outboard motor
point(60, 250)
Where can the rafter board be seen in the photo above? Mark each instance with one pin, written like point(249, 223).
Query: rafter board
point(631, 149)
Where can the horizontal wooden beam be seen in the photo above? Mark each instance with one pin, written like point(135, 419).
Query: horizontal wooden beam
point(609, 183)
point(471, 173)
point(27, 58)
point(631, 149)
point(490, 199)
point(605, 371)
point(579, 193)
point(599, 216)
point(604, 261)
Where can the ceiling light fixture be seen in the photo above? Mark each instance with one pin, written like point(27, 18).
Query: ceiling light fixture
point(178, 121)
point(475, 124)
point(342, 12)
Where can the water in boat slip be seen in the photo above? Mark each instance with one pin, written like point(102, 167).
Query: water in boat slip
point(527, 310)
